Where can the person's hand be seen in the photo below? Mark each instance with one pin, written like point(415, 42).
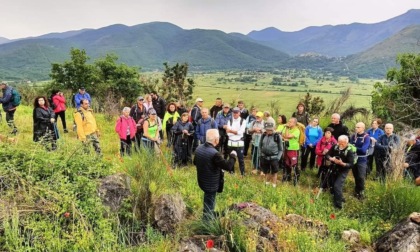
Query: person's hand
point(52, 120)
point(234, 153)
point(98, 134)
point(373, 140)
point(325, 151)
point(185, 131)
point(310, 146)
point(406, 165)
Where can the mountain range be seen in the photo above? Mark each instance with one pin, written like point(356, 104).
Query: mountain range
point(361, 49)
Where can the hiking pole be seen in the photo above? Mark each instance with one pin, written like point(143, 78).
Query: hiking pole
point(168, 168)
point(327, 176)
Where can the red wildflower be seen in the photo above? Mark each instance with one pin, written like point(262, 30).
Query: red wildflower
point(209, 244)
point(332, 216)
point(66, 214)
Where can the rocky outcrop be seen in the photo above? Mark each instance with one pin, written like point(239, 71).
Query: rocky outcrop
point(405, 236)
point(203, 243)
point(169, 211)
point(113, 189)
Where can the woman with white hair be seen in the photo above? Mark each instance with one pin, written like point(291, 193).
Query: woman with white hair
point(126, 129)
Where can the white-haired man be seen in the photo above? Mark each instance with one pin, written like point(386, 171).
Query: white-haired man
point(342, 159)
point(338, 126)
point(210, 165)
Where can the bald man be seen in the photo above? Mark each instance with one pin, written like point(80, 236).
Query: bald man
point(362, 142)
point(338, 126)
point(383, 148)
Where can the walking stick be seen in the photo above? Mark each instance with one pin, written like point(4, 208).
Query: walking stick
point(327, 176)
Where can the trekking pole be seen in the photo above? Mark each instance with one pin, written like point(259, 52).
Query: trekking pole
point(327, 176)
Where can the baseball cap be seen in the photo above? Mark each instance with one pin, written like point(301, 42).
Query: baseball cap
point(140, 98)
point(152, 111)
point(236, 109)
point(198, 100)
point(226, 105)
point(82, 88)
point(260, 114)
point(268, 126)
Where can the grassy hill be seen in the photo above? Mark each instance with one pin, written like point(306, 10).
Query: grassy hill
point(379, 58)
point(49, 200)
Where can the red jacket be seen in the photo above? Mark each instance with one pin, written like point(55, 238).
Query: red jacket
point(123, 123)
point(60, 103)
point(321, 146)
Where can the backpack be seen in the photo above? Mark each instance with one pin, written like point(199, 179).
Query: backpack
point(275, 135)
point(350, 147)
point(371, 148)
point(16, 98)
point(302, 137)
point(52, 104)
point(231, 121)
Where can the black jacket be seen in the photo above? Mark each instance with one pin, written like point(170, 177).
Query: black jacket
point(413, 158)
point(159, 105)
point(42, 122)
point(210, 163)
point(346, 155)
point(339, 129)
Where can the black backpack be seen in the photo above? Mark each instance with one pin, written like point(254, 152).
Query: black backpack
point(52, 104)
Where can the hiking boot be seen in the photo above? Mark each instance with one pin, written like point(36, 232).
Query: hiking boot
point(66, 131)
point(14, 131)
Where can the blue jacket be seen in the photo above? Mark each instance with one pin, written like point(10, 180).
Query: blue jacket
point(384, 144)
point(202, 126)
point(311, 136)
point(362, 143)
point(222, 119)
point(6, 100)
point(375, 133)
point(78, 98)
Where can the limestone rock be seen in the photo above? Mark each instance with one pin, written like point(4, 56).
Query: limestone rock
point(313, 226)
point(169, 211)
point(113, 189)
point(405, 236)
point(198, 243)
point(351, 236)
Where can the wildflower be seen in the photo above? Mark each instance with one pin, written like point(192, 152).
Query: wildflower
point(332, 216)
point(209, 244)
point(66, 214)
point(311, 201)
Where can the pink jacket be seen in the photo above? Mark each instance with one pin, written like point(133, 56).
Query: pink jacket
point(321, 146)
point(60, 103)
point(123, 123)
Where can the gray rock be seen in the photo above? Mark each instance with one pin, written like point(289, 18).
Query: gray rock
point(169, 211)
point(315, 227)
point(351, 236)
point(113, 189)
point(405, 236)
point(198, 243)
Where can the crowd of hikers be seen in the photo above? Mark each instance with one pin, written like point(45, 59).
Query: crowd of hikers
point(273, 145)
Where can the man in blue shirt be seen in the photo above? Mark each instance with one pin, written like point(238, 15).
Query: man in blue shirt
point(80, 96)
point(361, 141)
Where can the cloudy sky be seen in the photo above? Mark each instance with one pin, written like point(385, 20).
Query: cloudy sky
point(24, 18)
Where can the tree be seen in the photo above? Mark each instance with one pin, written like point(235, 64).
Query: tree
point(104, 78)
point(313, 105)
point(175, 85)
point(75, 73)
point(398, 99)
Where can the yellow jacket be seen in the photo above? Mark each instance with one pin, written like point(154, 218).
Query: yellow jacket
point(86, 124)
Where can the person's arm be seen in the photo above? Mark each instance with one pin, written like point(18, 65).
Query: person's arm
point(307, 142)
point(365, 146)
point(223, 164)
point(318, 149)
point(280, 147)
point(118, 125)
point(165, 119)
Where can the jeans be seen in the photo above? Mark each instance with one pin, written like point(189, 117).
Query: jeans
point(10, 119)
point(240, 152)
point(209, 205)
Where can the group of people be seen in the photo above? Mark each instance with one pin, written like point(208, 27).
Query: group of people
point(224, 131)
